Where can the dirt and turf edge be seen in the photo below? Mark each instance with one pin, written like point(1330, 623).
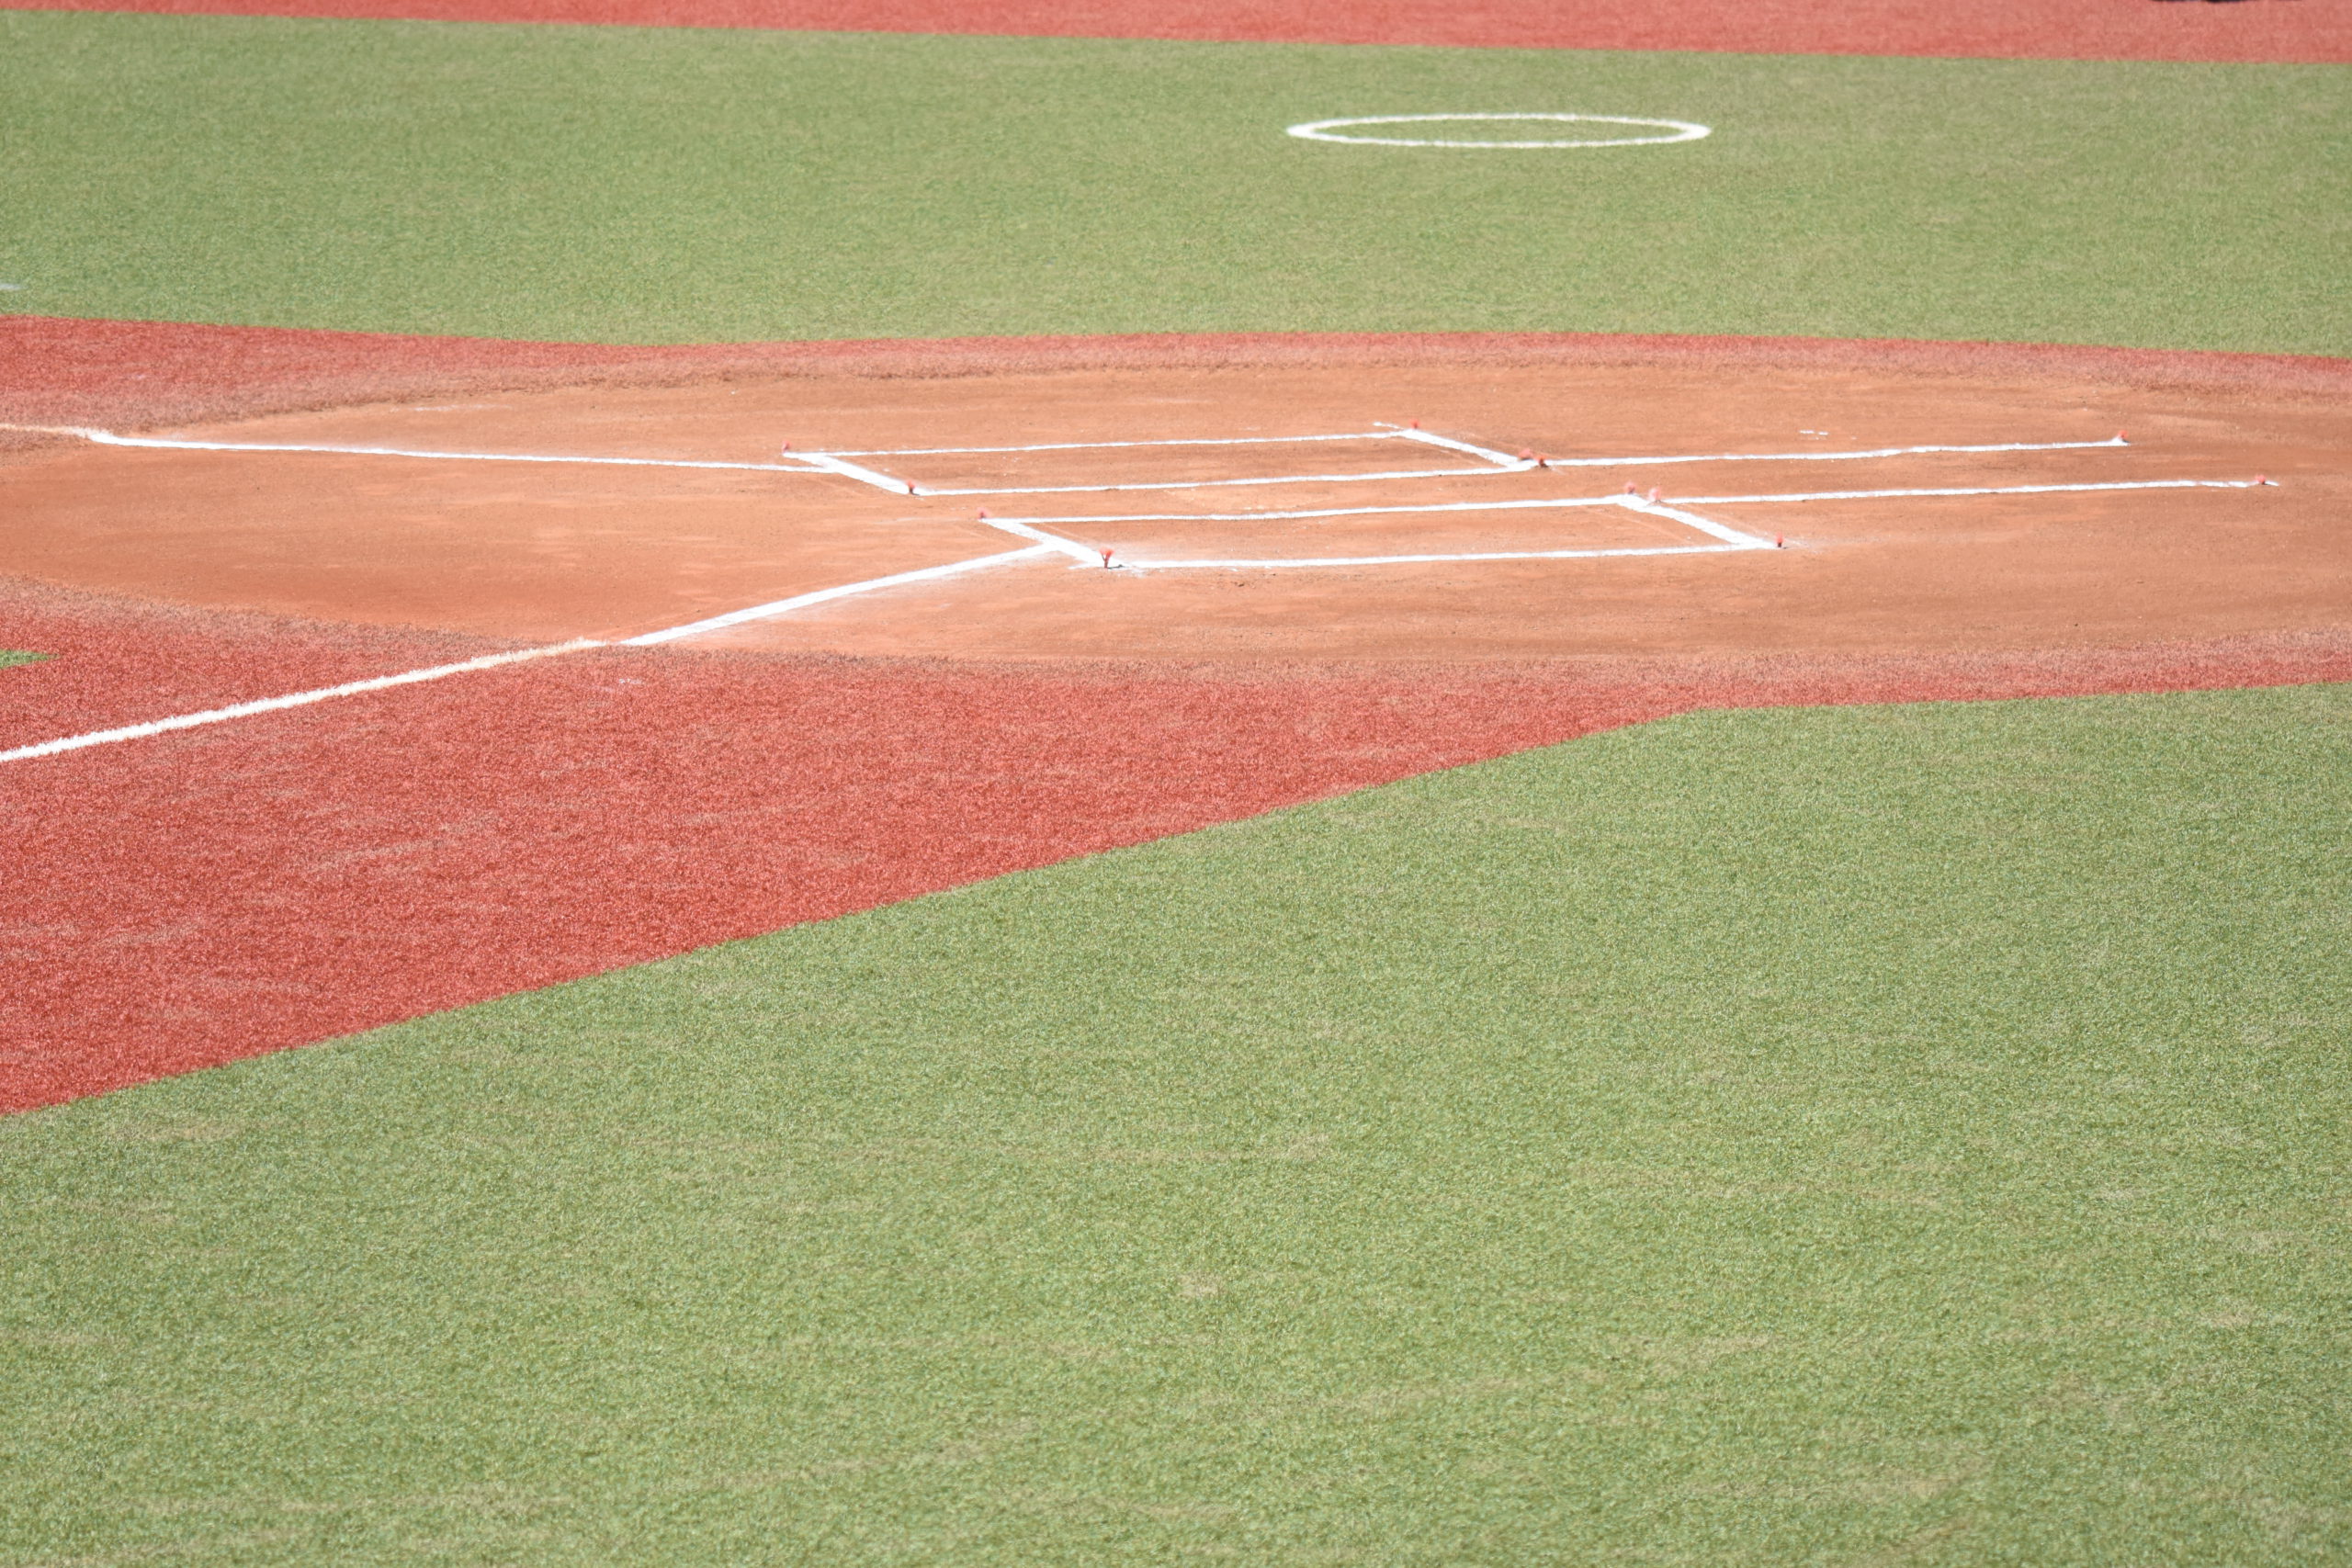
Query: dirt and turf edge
point(300, 875)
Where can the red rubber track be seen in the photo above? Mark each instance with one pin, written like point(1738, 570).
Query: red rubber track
point(2305, 31)
point(193, 898)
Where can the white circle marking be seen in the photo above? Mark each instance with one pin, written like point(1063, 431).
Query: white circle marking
point(1322, 129)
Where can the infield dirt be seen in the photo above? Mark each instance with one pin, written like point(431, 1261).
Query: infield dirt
point(530, 550)
point(194, 899)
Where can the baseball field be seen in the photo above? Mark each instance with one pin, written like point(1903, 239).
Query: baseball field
point(852, 781)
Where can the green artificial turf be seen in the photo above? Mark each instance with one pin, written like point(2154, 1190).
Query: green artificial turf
point(9, 656)
point(1870, 1135)
point(620, 184)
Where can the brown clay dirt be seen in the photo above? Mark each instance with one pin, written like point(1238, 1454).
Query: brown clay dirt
point(517, 551)
point(237, 888)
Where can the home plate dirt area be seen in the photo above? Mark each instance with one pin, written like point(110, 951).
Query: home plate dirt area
point(1418, 513)
point(829, 639)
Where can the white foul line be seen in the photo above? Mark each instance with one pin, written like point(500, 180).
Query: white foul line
point(802, 601)
point(494, 661)
point(172, 443)
point(292, 700)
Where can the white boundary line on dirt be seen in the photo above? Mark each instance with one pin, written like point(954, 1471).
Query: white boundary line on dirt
point(174, 443)
point(1382, 434)
point(1416, 560)
point(291, 700)
point(1732, 539)
point(1043, 543)
point(495, 660)
point(1555, 502)
point(1957, 490)
point(1431, 438)
point(1214, 484)
point(823, 595)
point(1502, 462)
point(824, 462)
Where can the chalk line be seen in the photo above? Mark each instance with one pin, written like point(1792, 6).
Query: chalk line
point(1985, 489)
point(1733, 539)
point(1498, 462)
point(822, 595)
point(1210, 484)
point(175, 443)
point(1409, 560)
point(291, 700)
point(495, 660)
point(1324, 131)
point(1556, 502)
point(1430, 438)
point(1039, 536)
point(1104, 445)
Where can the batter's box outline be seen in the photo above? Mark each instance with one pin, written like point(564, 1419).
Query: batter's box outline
point(1040, 543)
point(1040, 531)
